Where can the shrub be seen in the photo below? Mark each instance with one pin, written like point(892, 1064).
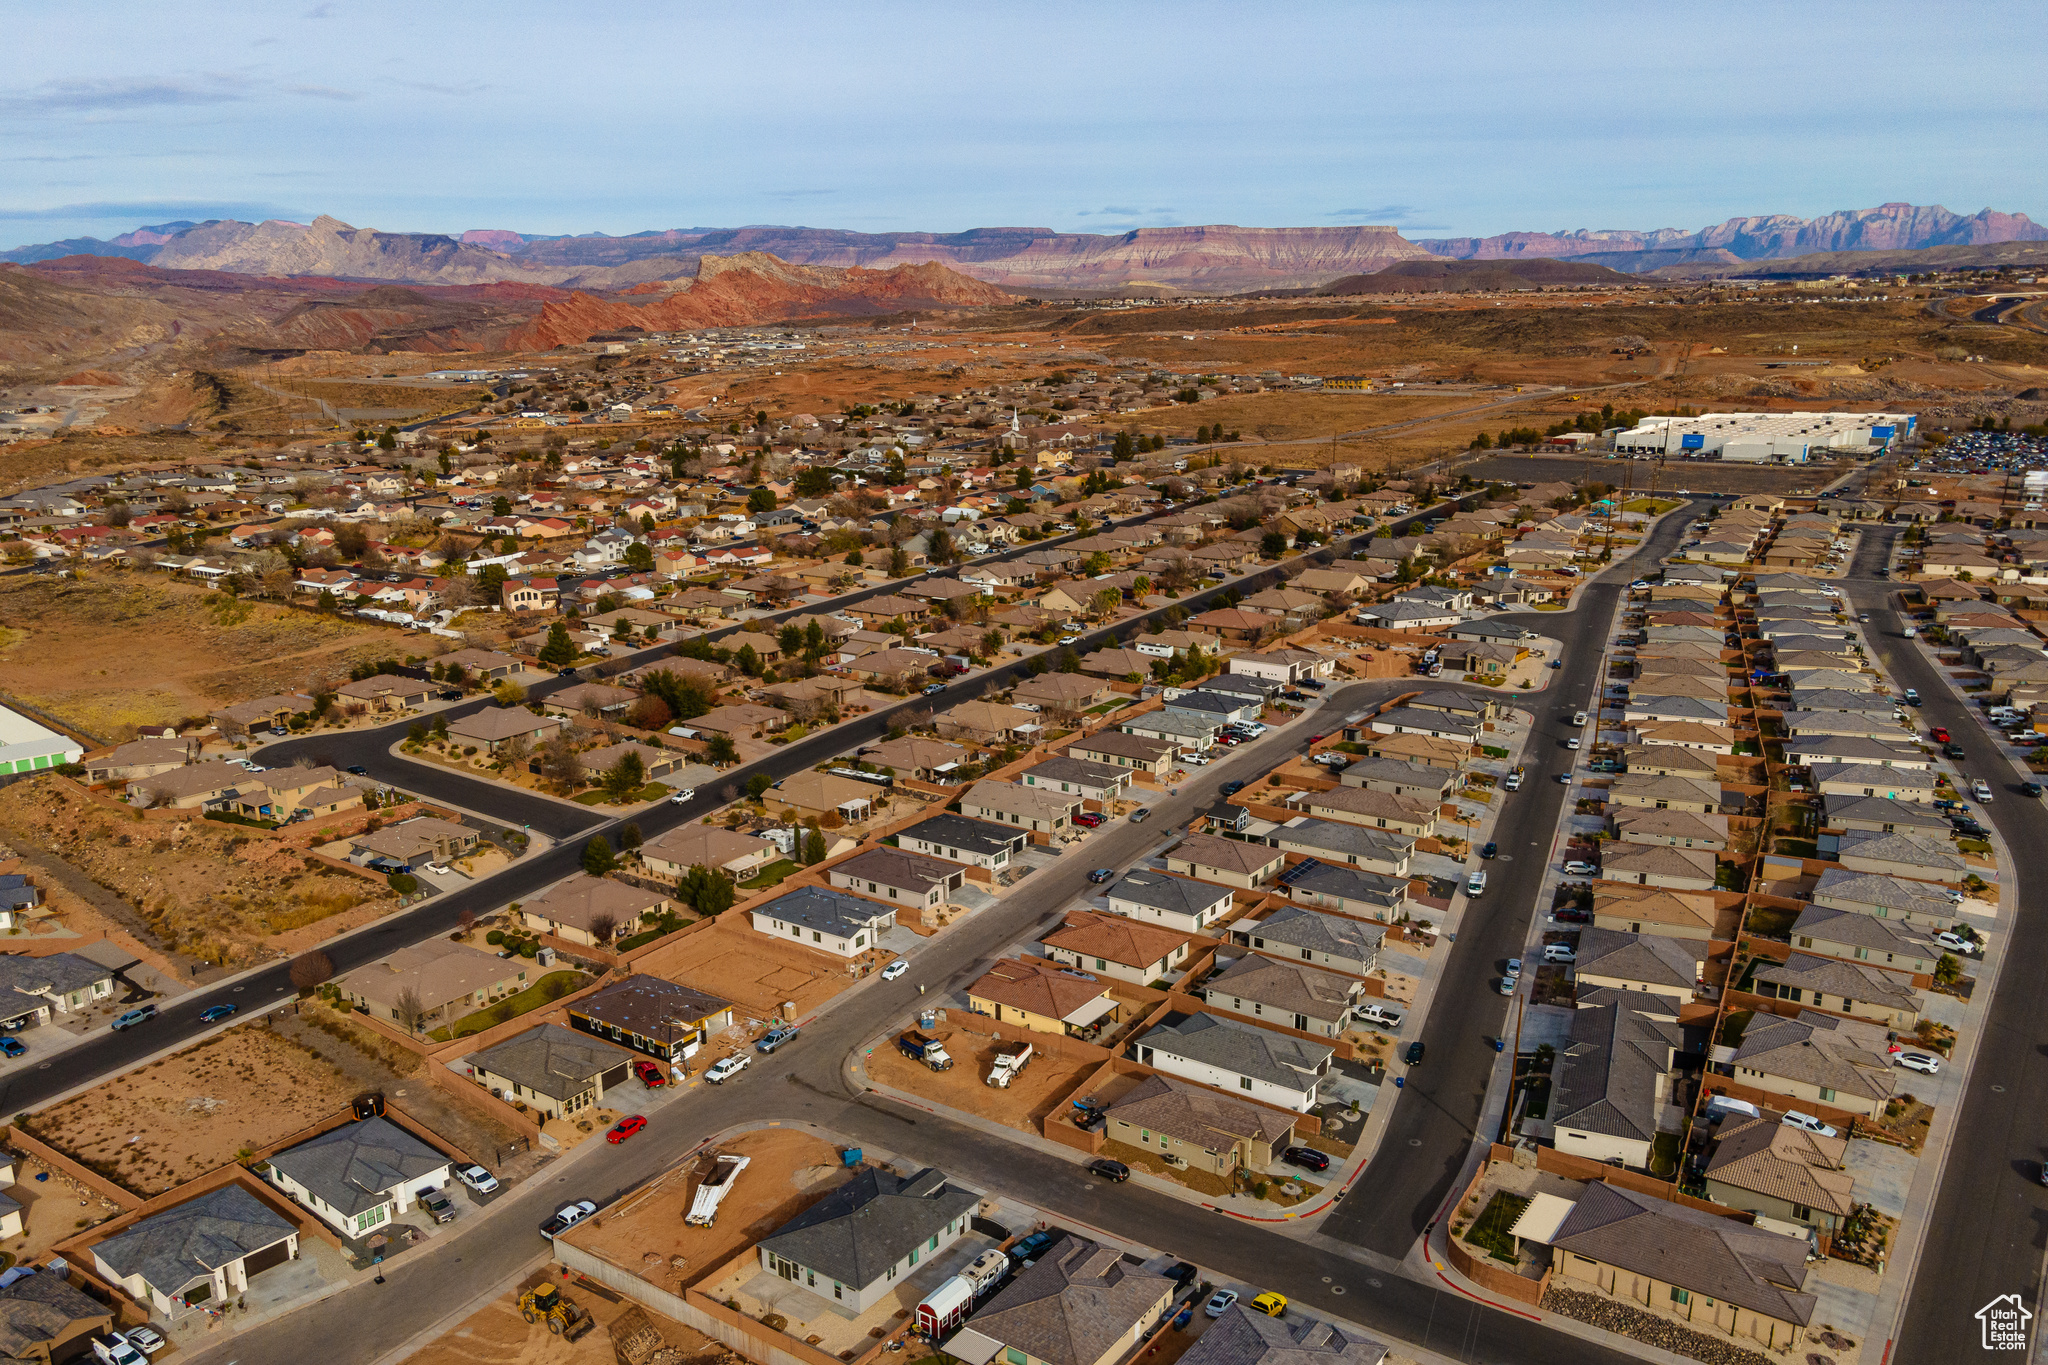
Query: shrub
point(404, 883)
point(495, 938)
point(528, 949)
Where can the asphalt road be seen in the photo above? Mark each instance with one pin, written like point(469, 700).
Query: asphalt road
point(1987, 1232)
point(1433, 1127)
point(806, 1084)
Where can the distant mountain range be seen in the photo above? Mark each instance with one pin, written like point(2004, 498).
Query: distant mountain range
point(1212, 259)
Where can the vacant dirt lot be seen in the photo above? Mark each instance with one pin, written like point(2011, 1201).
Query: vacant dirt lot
point(1046, 1081)
point(186, 1114)
point(120, 648)
point(645, 1233)
point(218, 892)
point(757, 973)
point(496, 1335)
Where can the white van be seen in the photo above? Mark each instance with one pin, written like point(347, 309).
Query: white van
point(1579, 718)
point(1476, 883)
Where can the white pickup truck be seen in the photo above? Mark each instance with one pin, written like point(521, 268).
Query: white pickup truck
point(1378, 1014)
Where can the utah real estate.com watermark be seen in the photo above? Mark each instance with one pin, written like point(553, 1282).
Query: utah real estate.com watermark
point(2004, 1321)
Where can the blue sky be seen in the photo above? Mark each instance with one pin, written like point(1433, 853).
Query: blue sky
point(1441, 119)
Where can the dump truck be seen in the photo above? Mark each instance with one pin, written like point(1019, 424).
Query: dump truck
point(564, 1318)
point(713, 1188)
point(1009, 1062)
point(922, 1047)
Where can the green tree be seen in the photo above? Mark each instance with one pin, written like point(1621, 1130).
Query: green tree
point(758, 785)
point(501, 506)
point(598, 858)
point(813, 848)
point(899, 563)
point(1023, 476)
point(853, 558)
point(630, 837)
point(941, 551)
point(719, 750)
point(440, 725)
point(625, 778)
point(814, 482)
point(559, 649)
point(1273, 544)
point(686, 695)
point(647, 523)
point(706, 890)
point(992, 643)
point(1122, 448)
point(760, 500)
point(388, 441)
point(639, 557)
point(747, 661)
point(1948, 970)
point(1070, 662)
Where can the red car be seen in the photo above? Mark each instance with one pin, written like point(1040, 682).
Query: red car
point(625, 1128)
point(1089, 819)
point(1940, 735)
point(651, 1075)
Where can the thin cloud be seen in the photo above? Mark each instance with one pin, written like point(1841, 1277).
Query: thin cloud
point(320, 12)
point(1398, 215)
point(461, 90)
point(143, 211)
point(323, 92)
point(800, 194)
point(88, 96)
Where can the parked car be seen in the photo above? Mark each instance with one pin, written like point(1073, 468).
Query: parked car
point(1032, 1247)
point(438, 1205)
point(1089, 819)
point(145, 1339)
point(1514, 967)
point(1572, 743)
point(725, 1068)
point(1101, 875)
point(896, 969)
point(1138, 815)
point(650, 1073)
point(1220, 1302)
point(115, 1349)
point(1490, 849)
point(1512, 782)
point(1110, 1170)
point(1794, 1119)
point(11, 1046)
point(1507, 985)
point(1981, 790)
point(776, 1037)
point(1939, 735)
point(2030, 789)
point(1308, 1158)
point(565, 1216)
point(1571, 914)
point(1924, 1062)
point(1413, 1056)
point(141, 1014)
point(681, 795)
point(479, 1180)
point(1954, 751)
point(1559, 952)
point(1376, 1013)
point(213, 1014)
point(1231, 788)
point(1912, 693)
point(1575, 868)
point(625, 1128)
point(1271, 1304)
point(1955, 943)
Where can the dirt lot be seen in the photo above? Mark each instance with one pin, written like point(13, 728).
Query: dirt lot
point(52, 1209)
point(645, 1233)
point(186, 1114)
point(496, 1335)
point(1047, 1078)
point(219, 892)
point(119, 648)
point(757, 973)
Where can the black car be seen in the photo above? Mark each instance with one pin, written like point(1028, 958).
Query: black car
point(1232, 788)
point(1308, 1158)
point(359, 770)
point(1110, 1170)
point(1953, 751)
point(565, 672)
point(1490, 849)
point(2030, 788)
point(1182, 1274)
point(1413, 1056)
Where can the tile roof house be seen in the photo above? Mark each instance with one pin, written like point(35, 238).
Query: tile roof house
point(653, 1016)
point(1612, 1091)
point(957, 839)
point(987, 722)
point(1080, 777)
point(1116, 946)
point(578, 909)
point(1079, 1303)
point(1901, 901)
point(44, 1320)
point(1347, 889)
point(1176, 902)
point(857, 1243)
point(1851, 988)
point(1857, 937)
point(1671, 828)
point(1656, 964)
point(674, 853)
point(443, 980)
point(203, 1251)
point(1767, 1167)
point(817, 794)
point(1230, 862)
point(1716, 1272)
point(550, 1068)
point(1211, 1132)
point(1244, 1337)
point(1038, 809)
point(1412, 816)
point(898, 876)
point(1285, 993)
point(361, 1175)
point(1044, 998)
point(495, 726)
point(1920, 857)
point(1817, 1059)
point(34, 989)
point(1361, 846)
point(1673, 869)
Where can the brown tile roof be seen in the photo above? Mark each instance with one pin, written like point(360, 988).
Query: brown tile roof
point(1040, 988)
point(1114, 938)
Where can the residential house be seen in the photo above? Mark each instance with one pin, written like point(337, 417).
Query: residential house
point(957, 839)
point(1611, 1092)
point(495, 727)
point(45, 1321)
point(1852, 988)
point(201, 1253)
point(1064, 692)
point(432, 982)
point(858, 1243)
point(1117, 946)
point(190, 788)
point(422, 839)
point(1079, 1303)
point(389, 691)
point(1660, 865)
point(552, 1069)
point(671, 855)
point(1360, 846)
point(1857, 937)
point(1077, 776)
point(1346, 889)
point(1044, 998)
point(1411, 816)
point(1177, 902)
point(1655, 964)
point(899, 876)
point(1919, 857)
point(815, 794)
point(1901, 901)
point(260, 713)
point(1038, 809)
point(1139, 753)
point(1672, 828)
point(1244, 1336)
point(1642, 909)
point(987, 722)
point(828, 920)
point(361, 1176)
point(1274, 1068)
point(1285, 993)
point(1194, 1127)
point(1772, 1169)
point(1397, 777)
point(1817, 1059)
point(652, 1016)
point(1334, 941)
point(1665, 793)
point(138, 759)
point(593, 910)
point(1231, 862)
point(33, 990)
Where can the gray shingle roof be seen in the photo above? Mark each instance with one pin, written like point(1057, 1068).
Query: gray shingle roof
point(1607, 1079)
point(1345, 882)
point(834, 913)
point(1277, 1058)
point(1704, 1252)
point(1818, 1049)
point(1074, 1304)
point(356, 1166)
point(1291, 987)
point(1911, 850)
point(1242, 1337)
point(1650, 958)
point(173, 1248)
point(1078, 771)
point(1295, 927)
point(1845, 888)
point(1832, 976)
point(859, 1230)
point(1335, 837)
point(36, 1310)
point(557, 1062)
point(984, 837)
point(1826, 924)
point(54, 974)
point(1175, 895)
point(650, 1006)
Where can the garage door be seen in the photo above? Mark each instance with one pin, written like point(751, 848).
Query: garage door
point(268, 1257)
point(615, 1077)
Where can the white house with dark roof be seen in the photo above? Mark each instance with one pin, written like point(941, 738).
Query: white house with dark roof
point(1177, 902)
point(828, 920)
point(1335, 941)
point(861, 1240)
point(360, 1176)
point(1273, 1068)
point(199, 1253)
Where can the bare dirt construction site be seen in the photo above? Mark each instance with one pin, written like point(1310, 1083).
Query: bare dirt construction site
point(182, 1116)
point(216, 891)
point(757, 973)
point(497, 1335)
point(1048, 1077)
point(644, 1233)
point(115, 649)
